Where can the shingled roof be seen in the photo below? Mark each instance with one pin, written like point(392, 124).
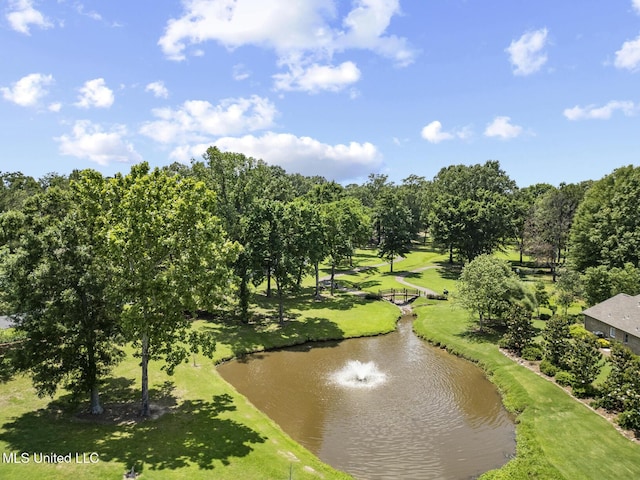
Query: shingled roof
point(621, 312)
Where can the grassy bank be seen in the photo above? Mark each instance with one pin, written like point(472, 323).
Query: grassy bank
point(557, 436)
point(205, 430)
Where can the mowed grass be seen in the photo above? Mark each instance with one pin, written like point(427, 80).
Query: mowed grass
point(208, 430)
point(557, 436)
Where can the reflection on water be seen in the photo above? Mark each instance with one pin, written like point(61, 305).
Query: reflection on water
point(434, 417)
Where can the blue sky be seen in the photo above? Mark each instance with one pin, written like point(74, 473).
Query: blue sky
point(339, 88)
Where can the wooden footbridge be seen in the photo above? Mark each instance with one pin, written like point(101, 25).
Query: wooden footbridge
point(400, 294)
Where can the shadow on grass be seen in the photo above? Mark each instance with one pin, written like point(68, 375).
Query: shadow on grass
point(449, 271)
point(266, 335)
point(488, 334)
point(195, 432)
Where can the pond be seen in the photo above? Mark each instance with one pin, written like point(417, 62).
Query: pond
point(383, 407)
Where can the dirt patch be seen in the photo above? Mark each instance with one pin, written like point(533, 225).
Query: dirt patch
point(610, 417)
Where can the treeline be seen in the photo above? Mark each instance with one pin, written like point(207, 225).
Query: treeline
point(89, 263)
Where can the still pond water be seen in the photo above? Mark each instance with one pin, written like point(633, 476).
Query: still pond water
point(412, 411)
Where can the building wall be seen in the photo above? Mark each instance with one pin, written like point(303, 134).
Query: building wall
point(632, 341)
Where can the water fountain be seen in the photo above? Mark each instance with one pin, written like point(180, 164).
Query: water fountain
point(357, 374)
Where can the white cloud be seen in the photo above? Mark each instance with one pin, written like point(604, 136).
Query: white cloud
point(526, 54)
point(629, 55)
point(433, 133)
point(158, 89)
point(636, 5)
point(27, 91)
point(88, 140)
point(91, 14)
point(22, 14)
point(591, 112)
point(316, 78)
point(95, 93)
point(306, 155)
point(197, 120)
point(240, 72)
point(55, 107)
point(366, 25)
point(501, 127)
point(302, 34)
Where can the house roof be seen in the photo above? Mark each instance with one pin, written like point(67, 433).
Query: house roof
point(621, 312)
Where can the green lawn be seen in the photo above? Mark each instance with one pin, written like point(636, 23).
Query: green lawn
point(210, 431)
point(557, 436)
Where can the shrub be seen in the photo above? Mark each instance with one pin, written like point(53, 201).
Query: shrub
point(585, 391)
point(578, 331)
point(432, 296)
point(564, 378)
point(630, 419)
point(532, 353)
point(604, 343)
point(548, 368)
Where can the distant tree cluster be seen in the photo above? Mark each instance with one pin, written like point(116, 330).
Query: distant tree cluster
point(88, 264)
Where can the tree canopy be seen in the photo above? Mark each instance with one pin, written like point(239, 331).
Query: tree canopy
point(470, 209)
point(606, 228)
point(488, 287)
point(171, 256)
point(57, 276)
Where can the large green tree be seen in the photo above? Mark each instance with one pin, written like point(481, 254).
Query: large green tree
point(602, 282)
point(279, 245)
point(56, 275)
point(347, 226)
point(15, 189)
point(470, 209)
point(172, 257)
point(488, 287)
point(606, 229)
point(396, 227)
point(547, 236)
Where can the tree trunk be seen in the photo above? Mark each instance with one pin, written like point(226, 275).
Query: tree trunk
point(244, 298)
point(317, 270)
point(333, 273)
point(391, 265)
point(269, 282)
point(451, 254)
point(145, 410)
point(521, 249)
point(280, 306)
point(299, 279)
point(96, 408)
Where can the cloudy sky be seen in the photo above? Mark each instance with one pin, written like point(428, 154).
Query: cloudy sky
point(339, 88)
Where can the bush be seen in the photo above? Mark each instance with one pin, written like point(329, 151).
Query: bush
point(578, 331)
point(585, 391)
point(432, 296)
point(532, 353)
point(604, 343)
point(564, 378)
point(545, 316)
point(548, 368)
point(630, 419)
point(372, 296)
